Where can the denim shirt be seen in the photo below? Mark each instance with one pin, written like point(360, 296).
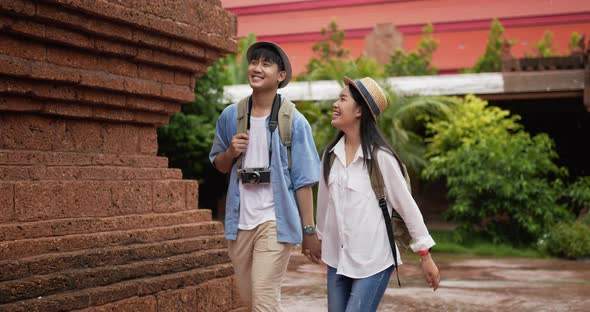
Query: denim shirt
point(305, 170)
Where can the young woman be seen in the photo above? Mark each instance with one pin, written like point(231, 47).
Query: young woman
point(350, 224)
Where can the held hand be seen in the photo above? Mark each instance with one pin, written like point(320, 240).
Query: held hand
point(312, 248)
point(239, 144)
point(430, 270)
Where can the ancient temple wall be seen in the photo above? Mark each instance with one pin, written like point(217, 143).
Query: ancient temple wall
point(90, 217)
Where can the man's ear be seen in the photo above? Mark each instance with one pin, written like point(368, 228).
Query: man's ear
point(282, 76)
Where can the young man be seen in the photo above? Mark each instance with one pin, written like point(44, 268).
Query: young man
point(266, 212)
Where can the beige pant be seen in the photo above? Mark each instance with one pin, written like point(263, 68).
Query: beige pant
point(259, 264)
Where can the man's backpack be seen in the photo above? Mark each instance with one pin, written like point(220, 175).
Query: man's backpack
point(396, 228)
point(283, 118)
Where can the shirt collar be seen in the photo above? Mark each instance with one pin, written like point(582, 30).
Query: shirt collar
point(340, 152)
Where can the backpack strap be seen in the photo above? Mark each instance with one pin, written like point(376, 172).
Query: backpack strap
point(282, 117)
point(379, 188)
point(285, 120)
point(242, 122)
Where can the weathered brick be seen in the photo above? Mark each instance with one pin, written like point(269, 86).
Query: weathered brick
point(102, 80)
point(142, 87)
point(179, 93)
point(182, 78)
point(53, 72)
point(20, 7)
point(151, 104)
point(118, 66)
point(15, 66)
point(169, 301)
point(91, 224)
point(21, 48)
point(148, 140)
point(131, 197)
point(121, 139)
point(26, 132)
point(78, 136)
point(119, 49)
point(153, 73)
point(192, 194)
point(72, 58)
point(215, 295)
point(60, 200)
point(6, 202)
point(169, 196)
point(19, 104)
point(64, 109)
point(102, 97)
point(57, 14)
point(69, 37)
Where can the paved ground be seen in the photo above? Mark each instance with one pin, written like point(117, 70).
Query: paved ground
point(468, 284)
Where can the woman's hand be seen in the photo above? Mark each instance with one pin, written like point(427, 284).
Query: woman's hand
point(312, 248)
point(430, 270)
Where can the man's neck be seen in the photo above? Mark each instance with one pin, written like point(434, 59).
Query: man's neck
point(262, 103)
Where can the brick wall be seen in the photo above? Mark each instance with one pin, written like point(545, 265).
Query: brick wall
point(91, 219)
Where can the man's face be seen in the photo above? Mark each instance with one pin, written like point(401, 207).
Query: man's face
point(264, 74)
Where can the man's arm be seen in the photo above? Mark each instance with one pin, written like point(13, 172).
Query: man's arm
point(224, 161)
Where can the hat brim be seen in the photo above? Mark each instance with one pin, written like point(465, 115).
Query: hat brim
point(282, 54)
point(350, 82)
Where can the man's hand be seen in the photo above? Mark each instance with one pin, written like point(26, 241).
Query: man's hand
point(312, 248)
point(430, 270)
point(239, 144)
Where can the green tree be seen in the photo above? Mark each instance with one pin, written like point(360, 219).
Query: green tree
point(415, 63)
point(236, 64)
point(491, 61)
point(332, 61)
point(501, 181)
point(545, 46)
point(574, 39)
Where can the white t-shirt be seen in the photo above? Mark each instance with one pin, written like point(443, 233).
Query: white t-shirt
point(256, 200)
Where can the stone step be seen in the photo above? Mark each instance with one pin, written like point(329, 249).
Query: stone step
point(10, 250)
point(52, 158)
point(91, 299)
point(102, 173)
point(96, 257)
point(78, 279)
point(69, 226)
point(94, 198)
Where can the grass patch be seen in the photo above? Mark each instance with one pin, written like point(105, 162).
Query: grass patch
point(451, 242)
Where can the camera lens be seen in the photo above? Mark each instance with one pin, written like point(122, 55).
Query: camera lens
point(253, 177)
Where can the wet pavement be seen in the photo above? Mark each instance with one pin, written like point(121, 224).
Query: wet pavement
point(469, 283)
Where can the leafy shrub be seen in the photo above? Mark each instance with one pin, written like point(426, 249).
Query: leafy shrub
point(491, 61)
point(501, 181)
point(415, 63)
point(569, 239)
point(578, 195)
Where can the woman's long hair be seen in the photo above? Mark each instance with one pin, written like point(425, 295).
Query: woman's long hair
point(370, 135)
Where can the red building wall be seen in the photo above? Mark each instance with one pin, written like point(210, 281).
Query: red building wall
point(460, 26)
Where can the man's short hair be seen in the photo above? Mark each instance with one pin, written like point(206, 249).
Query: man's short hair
point(267, 54)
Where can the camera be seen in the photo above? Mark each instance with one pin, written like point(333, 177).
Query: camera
point(254, 175)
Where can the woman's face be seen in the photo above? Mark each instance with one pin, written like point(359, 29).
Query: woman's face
point(346, 112)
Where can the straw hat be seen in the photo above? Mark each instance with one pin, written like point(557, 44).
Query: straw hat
point(282, 54)
point(371, 93)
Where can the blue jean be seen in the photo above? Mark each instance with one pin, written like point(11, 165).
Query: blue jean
point(347, 294)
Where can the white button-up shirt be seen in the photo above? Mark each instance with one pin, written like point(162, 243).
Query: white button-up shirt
point(350, 222)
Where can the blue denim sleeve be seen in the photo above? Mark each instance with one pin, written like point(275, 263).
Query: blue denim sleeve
point(223, 134)
point(305, 162)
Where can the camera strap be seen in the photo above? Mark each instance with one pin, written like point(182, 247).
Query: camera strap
point(272, 124)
